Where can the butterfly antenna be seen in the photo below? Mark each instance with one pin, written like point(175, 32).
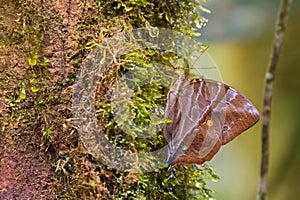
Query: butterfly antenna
point(203, 49)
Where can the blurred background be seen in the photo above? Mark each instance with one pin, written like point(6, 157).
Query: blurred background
point(240, 35)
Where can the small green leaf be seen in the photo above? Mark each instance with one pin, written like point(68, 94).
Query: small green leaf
point(33, 81)
point(215, 177)
point(22, 93)
point(205, 9)
point(35, 89)
point(33, 57)
point(47, 134)
point(3, 129)
point(167, 18)
point(90, 45)
point(128, 8)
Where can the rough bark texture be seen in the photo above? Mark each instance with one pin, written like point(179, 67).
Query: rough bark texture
point(37, 136)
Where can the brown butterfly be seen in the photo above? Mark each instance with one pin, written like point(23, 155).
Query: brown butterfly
point(205, 114)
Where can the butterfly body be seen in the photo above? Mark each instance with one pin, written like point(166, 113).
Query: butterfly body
point(205, 115)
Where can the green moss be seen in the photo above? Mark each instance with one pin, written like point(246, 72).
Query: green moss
point(147, 102)
point(183, 16)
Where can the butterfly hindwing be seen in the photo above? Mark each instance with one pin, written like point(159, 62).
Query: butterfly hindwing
point(205, 114)
point(240, 113)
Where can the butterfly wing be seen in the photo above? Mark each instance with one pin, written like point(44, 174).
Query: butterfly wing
point(205, 114)
point(185, 113)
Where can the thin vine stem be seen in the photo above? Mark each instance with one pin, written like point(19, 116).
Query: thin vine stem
point(268, 93)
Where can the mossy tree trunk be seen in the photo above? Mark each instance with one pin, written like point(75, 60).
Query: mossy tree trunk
point(42, 44)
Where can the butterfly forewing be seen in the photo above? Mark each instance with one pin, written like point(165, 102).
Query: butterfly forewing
point(205, 114)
